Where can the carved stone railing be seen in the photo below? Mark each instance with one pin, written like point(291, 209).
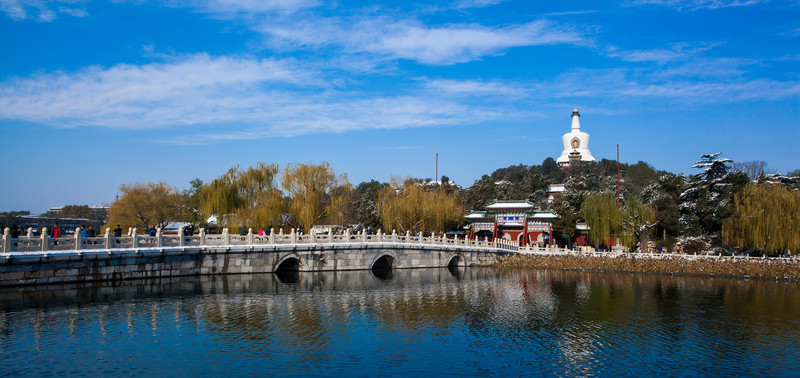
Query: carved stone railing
point(133, 240)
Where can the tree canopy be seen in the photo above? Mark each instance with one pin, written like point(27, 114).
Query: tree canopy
point(244, 197)
point(766, 218)
point(410, 205)
point(316, 194)
point(147, 204)
point(603, 216)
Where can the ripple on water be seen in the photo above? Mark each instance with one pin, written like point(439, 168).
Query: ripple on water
point(416, 323)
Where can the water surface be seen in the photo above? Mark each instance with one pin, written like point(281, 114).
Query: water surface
point(411, 322)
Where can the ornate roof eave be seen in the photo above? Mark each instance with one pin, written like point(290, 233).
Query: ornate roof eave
point(508, 204)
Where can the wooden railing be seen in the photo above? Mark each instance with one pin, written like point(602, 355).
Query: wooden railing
point(133, 240)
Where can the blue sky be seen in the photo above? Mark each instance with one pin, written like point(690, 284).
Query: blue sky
point(98, 94)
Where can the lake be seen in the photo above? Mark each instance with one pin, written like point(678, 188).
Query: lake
point(418, 322)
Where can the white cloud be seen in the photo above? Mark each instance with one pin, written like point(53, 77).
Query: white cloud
point(268, 97)
point(220, 98)
point(705, 67)
point(390, 34)
point(461, 43)
point(464, 4)
point(677, 51)
point(40, 9)
point(700, 4)
point(197, 89)
point(475, 88)
point(74, 12)
point(317, 115)
point(626, 85)
point(413, 40)
point(14, 9)
point(229, 8)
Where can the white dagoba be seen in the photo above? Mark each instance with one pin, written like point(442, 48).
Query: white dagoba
point(576, 143)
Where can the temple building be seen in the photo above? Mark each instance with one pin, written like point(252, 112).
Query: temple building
point(576, 143)
point(513, 220)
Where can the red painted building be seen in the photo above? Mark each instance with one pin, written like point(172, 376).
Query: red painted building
point(513, 220)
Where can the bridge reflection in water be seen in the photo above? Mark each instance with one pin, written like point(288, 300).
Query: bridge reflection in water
point(417, 321)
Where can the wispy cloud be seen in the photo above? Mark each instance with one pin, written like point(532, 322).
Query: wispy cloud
point(791, 33)
point(227, 98)
point(413, 40)
point(460, 43)
point(388, 34)
point(464, 4)
point(700, 4)
point(571, 13)
point(676, 51)
point(631, 85)
point(249, 8)
point(337, 114)
point(474, 88)
point(221, 98)
point(41, 10)
point(705, 68)
point(192, 90)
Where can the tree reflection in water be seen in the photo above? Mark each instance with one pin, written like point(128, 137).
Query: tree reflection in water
point(440, 321)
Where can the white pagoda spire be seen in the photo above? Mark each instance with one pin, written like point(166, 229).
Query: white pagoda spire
point(576, 143)
point(576, 120)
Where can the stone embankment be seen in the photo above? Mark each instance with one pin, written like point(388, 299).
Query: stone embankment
point(725, 266)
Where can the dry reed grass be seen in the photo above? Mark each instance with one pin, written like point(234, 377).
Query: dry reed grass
point(766, 268)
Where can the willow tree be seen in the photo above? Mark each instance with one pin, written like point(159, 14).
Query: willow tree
point(602, 215)
point(148, 204)
point(410, 205)
point(244, 198)
point(316, 194)
point(638, 221)
point(766, 217)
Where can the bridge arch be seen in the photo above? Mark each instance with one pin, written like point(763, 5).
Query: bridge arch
point(289, 263)
point(456, 260)
point(384, 264)
point(385, 260)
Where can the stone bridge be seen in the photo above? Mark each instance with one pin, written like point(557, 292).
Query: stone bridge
point(42, 260)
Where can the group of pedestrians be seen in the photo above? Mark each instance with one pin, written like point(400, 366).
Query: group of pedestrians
point(85, 231)
point(88, 231)
point(261, 231)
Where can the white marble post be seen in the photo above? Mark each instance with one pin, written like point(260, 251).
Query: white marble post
point(7, 240)
point(109, 238)
point(78, 240)
point(45, 238)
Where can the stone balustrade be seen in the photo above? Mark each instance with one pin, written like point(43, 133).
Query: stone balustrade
point(30, 244)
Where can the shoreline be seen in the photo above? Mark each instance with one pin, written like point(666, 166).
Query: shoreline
point(689, 265)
